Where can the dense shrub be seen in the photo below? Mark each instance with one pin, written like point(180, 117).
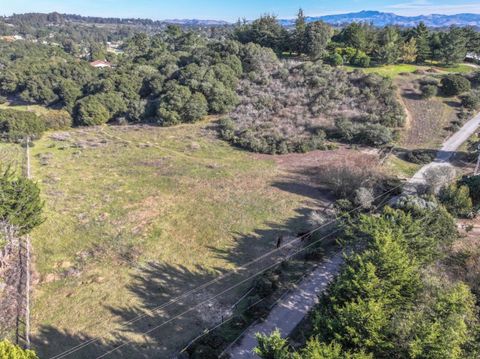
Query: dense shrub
point(363, 133)
point(57, 120)
point(454, 84)
point(473, 184)
point(475, 78)
point(289, 110)
point(334, 59)
point(178, 104)
point(429, 91)
point(429, 80)
point(471, 101)
point(12, 351)
point(375, 134)
point(16, 126)
point(457, 200)
point(361, 60)
point(90, 111)
point(421, 156)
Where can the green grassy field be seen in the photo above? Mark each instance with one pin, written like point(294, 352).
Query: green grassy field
point(393, 71)
point(38, 109)
point(120, 199)
point(402, 168)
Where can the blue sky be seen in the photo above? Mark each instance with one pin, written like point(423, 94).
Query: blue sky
point(233, 9)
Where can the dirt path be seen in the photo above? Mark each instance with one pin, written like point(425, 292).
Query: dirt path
point(290, 311)
point(448, 149)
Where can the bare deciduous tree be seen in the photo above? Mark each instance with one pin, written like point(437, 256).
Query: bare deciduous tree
point(439, 176)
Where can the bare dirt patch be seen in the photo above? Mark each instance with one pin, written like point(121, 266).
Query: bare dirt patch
point(301, 173)
point(428, 119)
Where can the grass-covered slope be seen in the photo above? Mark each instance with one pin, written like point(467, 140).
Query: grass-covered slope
point(119, 200)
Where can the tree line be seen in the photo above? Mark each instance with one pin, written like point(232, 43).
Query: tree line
point(394, 296)
point(361, 44)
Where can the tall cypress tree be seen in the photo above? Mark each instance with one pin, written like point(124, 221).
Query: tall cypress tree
point(454, 46)
point(422, 40)
point(299, 36)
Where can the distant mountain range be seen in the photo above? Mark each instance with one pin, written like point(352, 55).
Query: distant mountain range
point(382, 18)
point(376, 17)
point(196, 22)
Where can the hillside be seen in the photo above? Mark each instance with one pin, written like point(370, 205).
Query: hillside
point(378, 18)
point(137, 215)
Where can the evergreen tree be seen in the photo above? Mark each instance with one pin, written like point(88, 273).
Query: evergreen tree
point(435, 42)
point(409, 51)
point(299, 34)
point(20, 203)
point(12, 351)
point(317, 350)
point(421, 36)
point(317, 36)
point(443, 326)
point(272, 346)
point(457, 200)
point(388, 46)
point(354, 35)
point(453, 46)
point(473, 39)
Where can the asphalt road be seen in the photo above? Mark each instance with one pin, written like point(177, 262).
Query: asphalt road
point(290, 311)
point(449, 147)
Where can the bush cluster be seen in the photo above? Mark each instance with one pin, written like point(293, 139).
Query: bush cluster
point(454, 84)
point(16, 126)
point(471, 101)
point(292, 107)
point(168, 78)
point(421, 156)
point(429, 91)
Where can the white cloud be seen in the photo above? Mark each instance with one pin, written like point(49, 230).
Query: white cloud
point(425, 7)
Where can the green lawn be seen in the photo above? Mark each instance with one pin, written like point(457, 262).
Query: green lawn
point(393, 71)
point(121, 198)
point(39, 110)
point(400, 167)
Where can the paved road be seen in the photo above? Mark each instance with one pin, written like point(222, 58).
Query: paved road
point(444, 154)
point(290, 311)
point(287, 314)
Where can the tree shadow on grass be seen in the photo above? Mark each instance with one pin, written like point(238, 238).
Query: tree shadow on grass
point(53, 343)
point(174, 304)
point(154, 328)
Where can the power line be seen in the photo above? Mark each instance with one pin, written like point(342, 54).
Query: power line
point(236, 270)
point(221, 293)
point(477, 168)
point(27, 290)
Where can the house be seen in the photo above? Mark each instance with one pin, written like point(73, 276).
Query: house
point(11, 38)
point(100, 64)
point(473, 57)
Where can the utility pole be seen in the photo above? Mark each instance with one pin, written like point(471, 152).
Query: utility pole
point(27, 273)
point(477, 168)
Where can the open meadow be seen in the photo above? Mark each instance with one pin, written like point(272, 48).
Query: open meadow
point(136, 215)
